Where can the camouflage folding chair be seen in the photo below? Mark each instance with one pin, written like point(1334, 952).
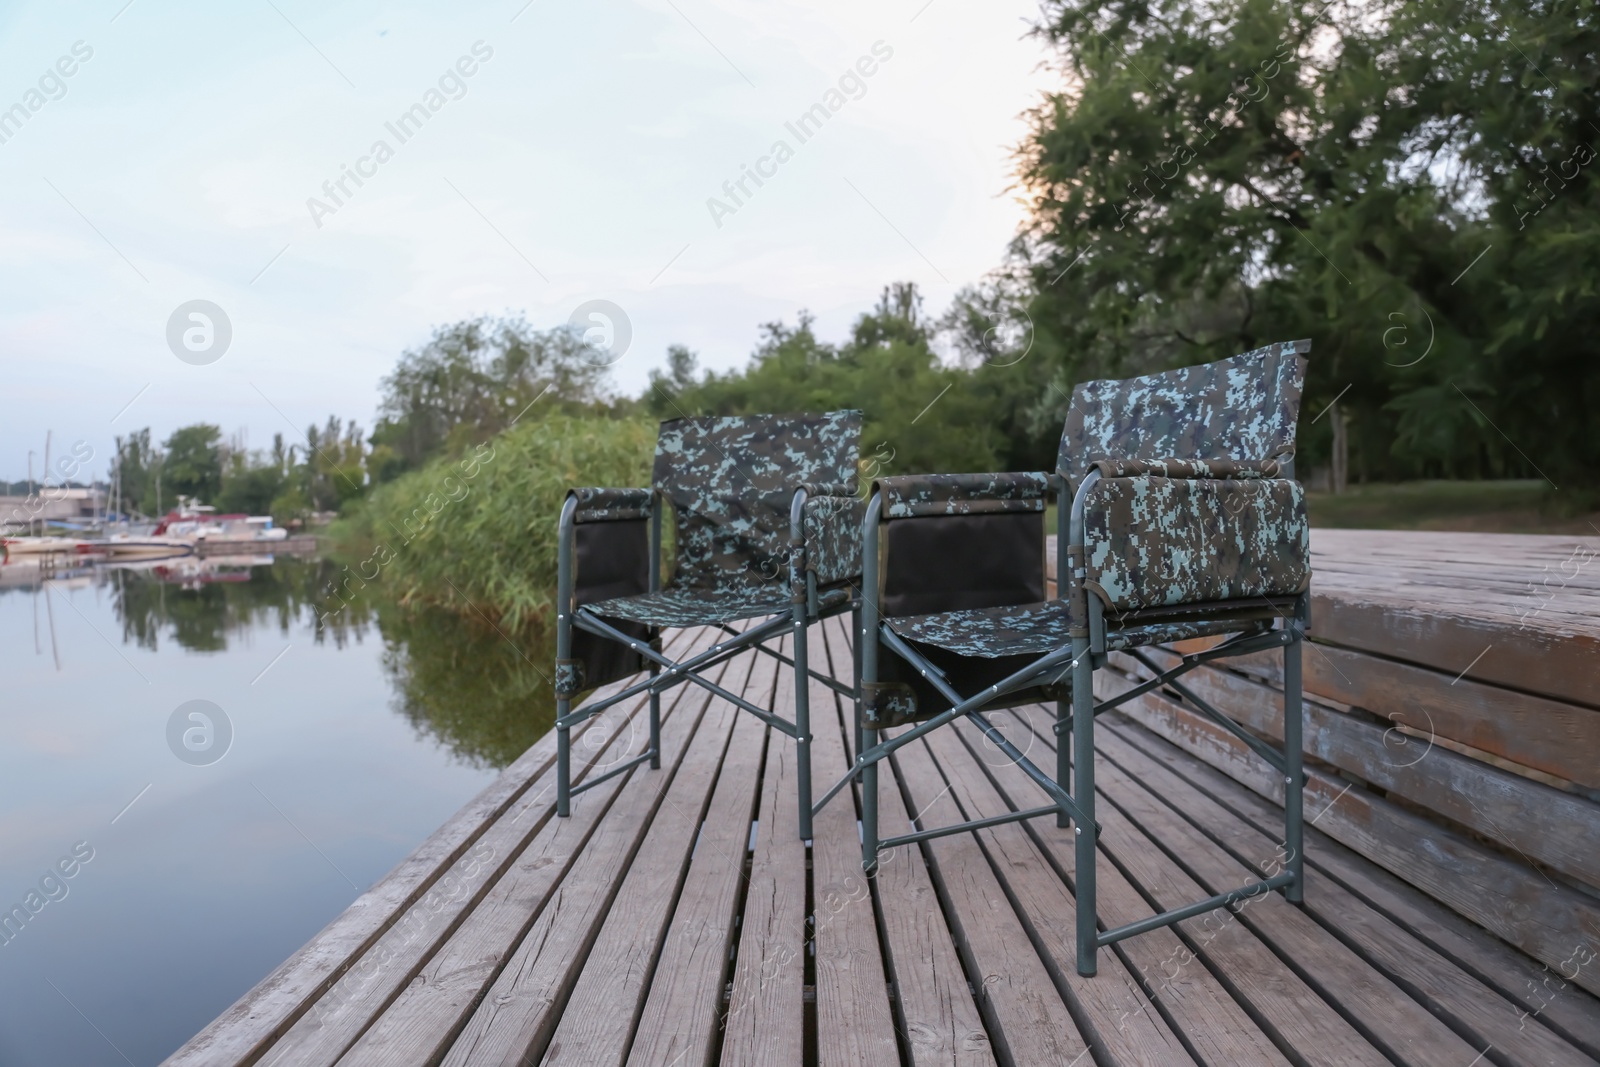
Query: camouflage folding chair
point(768, 527)
point(1179, 518)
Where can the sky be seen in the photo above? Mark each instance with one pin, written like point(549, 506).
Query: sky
point(158, 153)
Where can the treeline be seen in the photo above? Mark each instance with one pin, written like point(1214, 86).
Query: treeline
point(1409, 185)
point(320, 473)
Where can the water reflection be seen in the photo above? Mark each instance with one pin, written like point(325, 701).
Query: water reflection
point(485, 694)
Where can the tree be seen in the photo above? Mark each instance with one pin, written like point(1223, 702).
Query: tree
point(251, 482)
point(192, 465)
point(335, 466)
point(136, 467)
point(920, 414)
point(1407, 183)
point(473, 379)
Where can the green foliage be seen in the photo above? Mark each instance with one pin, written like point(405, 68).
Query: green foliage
point(485, 694)
point(921, 414)
point(472, 380)
point(478, 534)
point(136, 463)
point(192, 463)
point(1220, 175)
point(335, 465)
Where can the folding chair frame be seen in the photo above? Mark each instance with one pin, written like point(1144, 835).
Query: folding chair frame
point(1073, 798)
point(805, 608)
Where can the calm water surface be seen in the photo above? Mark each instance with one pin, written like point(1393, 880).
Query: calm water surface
point(160, 881)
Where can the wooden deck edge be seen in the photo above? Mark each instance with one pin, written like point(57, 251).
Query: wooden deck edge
point(1557, 828)
point(244, 1031)
point(1512, 901)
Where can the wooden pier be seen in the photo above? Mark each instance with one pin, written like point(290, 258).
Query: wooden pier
point(1451, 913)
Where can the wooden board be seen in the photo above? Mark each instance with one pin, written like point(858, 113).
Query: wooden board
point(599, 1020)
point(1535, 820)
point(683, 1013)
point(646, 929)
point(241, 1034)
point(764, 1023)
point(1512, 900)
point(1414, 944)
point(1556, 738)
point(1476, 1013)
point(854, 1022)
point(1192, 1003)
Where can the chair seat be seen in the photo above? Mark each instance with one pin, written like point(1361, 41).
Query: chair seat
point(696, 607)
point(1034, 629)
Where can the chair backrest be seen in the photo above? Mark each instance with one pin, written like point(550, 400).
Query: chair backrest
point(1244, 407)
point(731, 480)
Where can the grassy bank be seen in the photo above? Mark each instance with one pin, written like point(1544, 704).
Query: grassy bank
point(1473, 507)
point(477, 534)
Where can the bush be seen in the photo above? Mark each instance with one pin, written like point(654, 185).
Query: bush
point(477, 533)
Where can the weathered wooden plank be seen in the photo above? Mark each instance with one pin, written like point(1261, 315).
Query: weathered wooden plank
point(1292, 1010)
point(1026, 1010)
point(597, 1024)
point(344, 1011)
point(764, 1026)
point(1554, 827)
point(1551, 736)
point(515, 1018)
point(1511, 900)
point(1476, 1013)
point(681, 1015)
point(1403, 1028)
point(1560, 664)
point(242, 1033)
point(1557, 738)
point(1114, 1003)
point(942, 1024)
point(855, 1023)
point(1573, 1013)
point(542, 888)
point(941, 1021)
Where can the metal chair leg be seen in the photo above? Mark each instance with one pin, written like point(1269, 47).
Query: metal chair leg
point(563, 760)
point(655, 722)
point(1294, 775)
point(802, 721)
point(1063, 755)
point(1083, 796)
point(869, 808)
point(855, 666)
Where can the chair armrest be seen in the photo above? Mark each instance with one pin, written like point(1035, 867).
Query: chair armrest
point(1155, 541)
point(830, 527)
point(1188, 468)
point(815, 489)
point(610, 505)
point(915, 495)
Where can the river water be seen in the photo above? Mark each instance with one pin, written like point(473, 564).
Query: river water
point(202, 768)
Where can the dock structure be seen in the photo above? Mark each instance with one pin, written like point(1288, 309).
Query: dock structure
point(1450, 919)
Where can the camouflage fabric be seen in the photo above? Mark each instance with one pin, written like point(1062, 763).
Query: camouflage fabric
point(1013, 630)
point(610, 505)
point(732, 480)
point(569, 678)
point(832, 530)
point(1241, 408)
point(1035, 629)
point(911, 495)
point(887, 704)
point(1162, 633)
point(676, 606)
point(1187, 468)
point(1153, 541)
